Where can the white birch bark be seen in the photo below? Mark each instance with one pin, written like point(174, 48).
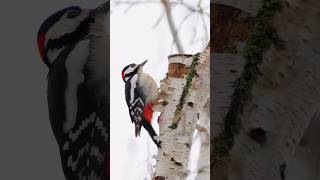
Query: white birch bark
point(284, 100)
point(173, 156)
point(203, 127)
point(226, 68)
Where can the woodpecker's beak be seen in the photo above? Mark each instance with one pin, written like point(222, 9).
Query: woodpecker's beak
point(143, 63)
point(102, 9)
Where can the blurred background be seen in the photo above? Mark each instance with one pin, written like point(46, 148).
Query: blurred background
point(153, 30)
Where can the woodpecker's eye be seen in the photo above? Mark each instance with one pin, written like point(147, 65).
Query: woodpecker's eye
point(73, 14)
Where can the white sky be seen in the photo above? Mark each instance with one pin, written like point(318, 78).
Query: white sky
point(132, 41)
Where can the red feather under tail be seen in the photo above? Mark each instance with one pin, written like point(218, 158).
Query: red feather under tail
point(148, 112)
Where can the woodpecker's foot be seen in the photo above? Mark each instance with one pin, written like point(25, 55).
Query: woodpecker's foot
point(159, 144)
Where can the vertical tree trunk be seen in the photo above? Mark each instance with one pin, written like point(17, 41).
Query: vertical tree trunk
point(266, 94)
point(184, 91)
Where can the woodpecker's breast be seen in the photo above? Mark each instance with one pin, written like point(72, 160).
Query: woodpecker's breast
point(98, 63)
point(149, 86)
point(97, 67)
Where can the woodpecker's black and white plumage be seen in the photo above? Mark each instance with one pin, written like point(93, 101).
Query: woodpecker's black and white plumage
point(74, 45)
point(141, 94)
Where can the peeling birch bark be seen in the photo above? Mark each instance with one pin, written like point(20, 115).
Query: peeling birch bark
point(284, 101)
point(178, 119)
point(203, 128)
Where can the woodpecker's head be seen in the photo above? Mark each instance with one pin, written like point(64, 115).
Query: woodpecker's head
point(131, 70)
point(67, 27)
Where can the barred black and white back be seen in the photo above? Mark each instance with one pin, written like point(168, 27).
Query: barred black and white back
point(136, 102)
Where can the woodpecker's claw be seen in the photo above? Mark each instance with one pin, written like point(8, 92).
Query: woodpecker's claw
point(159, 145)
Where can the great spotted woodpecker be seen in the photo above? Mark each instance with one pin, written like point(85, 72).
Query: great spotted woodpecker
point(141, 93)
point(74, 45)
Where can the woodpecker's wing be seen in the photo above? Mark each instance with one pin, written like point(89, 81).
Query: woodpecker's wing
point(84, 149)
point(136, 103)
point(140, 112)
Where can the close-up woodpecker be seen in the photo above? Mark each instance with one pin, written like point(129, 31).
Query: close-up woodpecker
point(141, 93)
point(74, 45)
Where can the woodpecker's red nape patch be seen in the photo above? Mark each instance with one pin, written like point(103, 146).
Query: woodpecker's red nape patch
point(147, 112)
point(41, 42)
point(122, 74)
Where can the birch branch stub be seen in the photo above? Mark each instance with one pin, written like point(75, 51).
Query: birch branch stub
point(186, 90)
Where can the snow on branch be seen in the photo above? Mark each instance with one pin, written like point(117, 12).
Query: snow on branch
point(183, 93)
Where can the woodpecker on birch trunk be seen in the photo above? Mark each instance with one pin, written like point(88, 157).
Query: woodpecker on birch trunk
point(141, 93)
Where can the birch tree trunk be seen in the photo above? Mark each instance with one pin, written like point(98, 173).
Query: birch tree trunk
point(184, 92)
point(265, 84)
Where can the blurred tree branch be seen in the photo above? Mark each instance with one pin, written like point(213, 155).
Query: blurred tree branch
point(199, 11)
point(172, 26)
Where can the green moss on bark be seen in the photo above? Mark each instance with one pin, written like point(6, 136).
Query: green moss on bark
point(191, 74)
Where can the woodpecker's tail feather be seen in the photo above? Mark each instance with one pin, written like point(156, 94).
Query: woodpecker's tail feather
point(137, 129)
point(151, 132)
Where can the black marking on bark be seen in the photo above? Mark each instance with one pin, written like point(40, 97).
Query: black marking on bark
point(233, 71)
point(176, 162)
point(165, 103)
point(190, 104)
point(159, 178)
point(282, 169)
point(259, 135)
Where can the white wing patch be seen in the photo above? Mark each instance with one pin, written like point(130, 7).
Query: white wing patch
point(75, 76)
point(133, 87)
point(52, 54)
